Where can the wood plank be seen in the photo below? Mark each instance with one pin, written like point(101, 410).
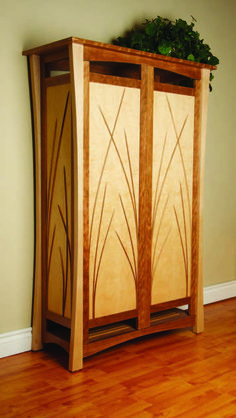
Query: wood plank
point(57, 80)
point(114, 80)
point(86, 203)
point(129, 333)
point(44, 208)
point(201, 102)
point(170, 304)
point(59, 319)
point(77, 87)
point(56, 55)
point(94, 53)
point(170, 88)
point(139, 379)
point(50, 338)
point(112, 318)
point(34, 62)
point(145, 197)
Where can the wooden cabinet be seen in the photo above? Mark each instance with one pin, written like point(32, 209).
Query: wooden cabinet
point(119, 142)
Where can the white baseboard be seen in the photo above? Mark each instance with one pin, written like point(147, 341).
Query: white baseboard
point(15, 342)
point(219, 292)
point(20, 341)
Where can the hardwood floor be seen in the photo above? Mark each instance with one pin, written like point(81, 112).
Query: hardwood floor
point(172, 374)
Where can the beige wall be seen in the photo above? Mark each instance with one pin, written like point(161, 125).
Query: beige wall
point(27, 23)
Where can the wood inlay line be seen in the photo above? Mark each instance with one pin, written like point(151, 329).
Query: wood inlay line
point(130, 237)
point(63, 281)
point(67, 235)
point(132, 183)
point(50, 200)
point(182, 244)
point(167, 169)
point(96, 250)
point(157, 236)
point(185, 236)
point(159, 255)
point(157, 184)
point(157, 198)
point(66, 229)
point(51, 162)
point(50, 252)
point(100, 258)
point(122, 166)
point(103, 168)
point(182, 158)
point(65, 223)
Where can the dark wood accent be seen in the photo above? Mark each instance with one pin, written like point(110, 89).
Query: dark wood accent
point(104, 320)
point(114, 80)
point(93, 53)
point(117, 69)
point(170, 304)
point(107, 332)
point(171, 88)
point(145, 197)
point(62, 65)
point(57, 80)
point(54, 339)
point(57, 56)
point(86, 201)
point(59, 319)
point(99, 49)
point(104, 339)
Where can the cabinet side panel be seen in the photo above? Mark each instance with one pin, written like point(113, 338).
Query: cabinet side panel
point(59, 178)
point(113, 198)
point(172, 196)
point(37, 302)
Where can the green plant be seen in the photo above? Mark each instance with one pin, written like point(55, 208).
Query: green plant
point(171, 38)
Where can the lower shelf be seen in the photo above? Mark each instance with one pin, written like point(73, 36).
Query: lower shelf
point(103, 337)
point(107, 336)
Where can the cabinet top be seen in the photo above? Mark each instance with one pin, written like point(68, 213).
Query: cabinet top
point(101, 52)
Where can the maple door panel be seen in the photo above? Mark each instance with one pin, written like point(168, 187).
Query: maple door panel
point(172, 196)
point(113, 198)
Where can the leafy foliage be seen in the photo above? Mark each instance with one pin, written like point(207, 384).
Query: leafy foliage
point(175, 39)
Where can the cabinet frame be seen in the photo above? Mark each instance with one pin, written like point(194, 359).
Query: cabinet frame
point(82, 62)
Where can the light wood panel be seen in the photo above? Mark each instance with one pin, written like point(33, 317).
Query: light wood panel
point(172, 196)
point(76, 54)
point(113, 198)
point(200, 121)
point(59, 155)
point(141, 379)
point(37, 343)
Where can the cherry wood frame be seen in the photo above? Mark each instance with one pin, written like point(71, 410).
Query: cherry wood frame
point(83, 62)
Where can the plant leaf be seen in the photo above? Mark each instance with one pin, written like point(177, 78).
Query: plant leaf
point(164, 49)
point(151, 29)
point(191, 57)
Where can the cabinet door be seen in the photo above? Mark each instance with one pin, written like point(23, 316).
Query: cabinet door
point(113, 198)
point(172, 196)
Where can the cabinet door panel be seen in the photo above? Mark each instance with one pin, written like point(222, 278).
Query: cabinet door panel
point(172, 196)
point(58, 154)
point(113, 198)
